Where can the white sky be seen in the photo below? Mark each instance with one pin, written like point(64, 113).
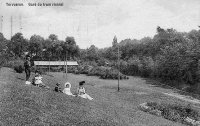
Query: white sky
point(97, 21)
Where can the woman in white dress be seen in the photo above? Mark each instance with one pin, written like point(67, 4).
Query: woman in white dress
point(81, 91)
point(67, 88)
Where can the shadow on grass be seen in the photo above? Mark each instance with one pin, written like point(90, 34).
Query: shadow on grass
point(20, 78)
point(121, 89)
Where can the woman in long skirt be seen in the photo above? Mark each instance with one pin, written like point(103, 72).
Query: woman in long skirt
point(81, 91)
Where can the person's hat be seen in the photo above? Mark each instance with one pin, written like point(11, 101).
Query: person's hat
point(28, 56)
point(67, 83)
point(81, 83)
point(37, 71)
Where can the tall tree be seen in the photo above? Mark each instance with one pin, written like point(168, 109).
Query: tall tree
point(2, 42)
point(114, 43)
point(36, 45)
point(19, 44)
point(71, 47)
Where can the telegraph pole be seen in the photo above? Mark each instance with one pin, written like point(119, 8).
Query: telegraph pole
point(118, 65)
point(11, 20)
point(49, 53)
point(20, 24)
point(49, 65)
point(66, 65)
point(1, 24)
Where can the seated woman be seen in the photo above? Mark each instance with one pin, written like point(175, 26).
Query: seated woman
point(81, 91)
point(67, 89)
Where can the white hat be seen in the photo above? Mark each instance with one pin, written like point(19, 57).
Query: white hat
point(67, 83)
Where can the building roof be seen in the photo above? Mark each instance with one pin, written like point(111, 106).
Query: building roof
point(55, 63)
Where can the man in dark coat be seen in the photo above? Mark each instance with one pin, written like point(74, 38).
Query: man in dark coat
point(27, 65)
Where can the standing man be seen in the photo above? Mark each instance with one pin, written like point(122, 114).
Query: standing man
point(27, 66)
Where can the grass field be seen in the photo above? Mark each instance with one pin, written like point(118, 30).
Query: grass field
point(28, 105)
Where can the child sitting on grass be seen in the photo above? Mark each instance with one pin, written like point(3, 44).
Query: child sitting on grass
point(67, 89)
point(58, 88)
point(81, 91)
point(38, 80)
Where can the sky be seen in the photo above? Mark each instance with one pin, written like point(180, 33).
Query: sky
point(96, 22)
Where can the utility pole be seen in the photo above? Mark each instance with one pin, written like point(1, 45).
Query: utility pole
point(49, 53)
point(1, 24)
point(49, 64)
point(20, 24)
point(118, 66)
point(66, 65)
point(11, 21)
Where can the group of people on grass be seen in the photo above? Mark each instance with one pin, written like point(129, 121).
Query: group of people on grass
point(67, 90)
point(37, 81)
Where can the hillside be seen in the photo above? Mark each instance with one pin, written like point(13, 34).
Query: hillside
point(28, 105)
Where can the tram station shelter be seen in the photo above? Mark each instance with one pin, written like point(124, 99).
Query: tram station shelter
point(54, 65)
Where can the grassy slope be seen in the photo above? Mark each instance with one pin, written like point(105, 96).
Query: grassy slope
point(28, 105)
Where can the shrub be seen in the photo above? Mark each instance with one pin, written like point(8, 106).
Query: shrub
point(19, 68)
point(72, 69)
point(101, 71)
point(84, 69)
point(175, 112)
point(112, 74)
point(55, 69)
point(13, 63)
point(171, 114)
point(97, 71)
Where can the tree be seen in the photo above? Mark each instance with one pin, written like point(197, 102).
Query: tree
point(53, 41)
point(58, 49)
point(92, 53)
point(53, 37)
point(36, 45)
point(2, 42)
point(70, 47)
point(18, 44)
point(114, 43)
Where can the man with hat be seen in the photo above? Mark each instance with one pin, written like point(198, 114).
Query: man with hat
point(27, 66)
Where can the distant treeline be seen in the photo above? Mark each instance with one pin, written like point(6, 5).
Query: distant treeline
point(170, 55)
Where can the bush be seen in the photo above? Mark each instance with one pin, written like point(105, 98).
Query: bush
point(84, 69)
point(175, 112)
point(72, 69)
point(55, 69)
point(97, 71)
point(101, 71)
point(112, 74)
point(13, 63)
point(171, 114)
point(19, 68)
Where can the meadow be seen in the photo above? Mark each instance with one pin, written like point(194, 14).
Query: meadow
point(29, 105)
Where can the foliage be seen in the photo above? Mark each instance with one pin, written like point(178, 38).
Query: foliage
point(11, 63)
point(35, 46)
point(169, 55)
point(175, 112)
point(97, 71)
point(113, 74)
point(19, 69)
point(18, 45)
